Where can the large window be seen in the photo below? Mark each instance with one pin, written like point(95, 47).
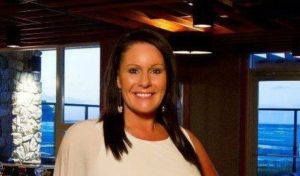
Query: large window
point(278, 120)
point(273, 128)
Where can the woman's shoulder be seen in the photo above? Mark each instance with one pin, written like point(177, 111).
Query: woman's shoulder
point(85, 124)
point(189, 135)
point(205, 162)
point(84, 128)
point(193, 139)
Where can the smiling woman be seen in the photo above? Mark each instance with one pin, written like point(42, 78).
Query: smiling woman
point(138, 133)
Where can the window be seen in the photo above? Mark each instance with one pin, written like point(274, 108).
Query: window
point(273, 128)
point(278, 149)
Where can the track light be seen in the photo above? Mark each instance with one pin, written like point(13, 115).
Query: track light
point(296, 47)
point(191, 43)
point(203, 13)
point(35, 62)
point(13, 36)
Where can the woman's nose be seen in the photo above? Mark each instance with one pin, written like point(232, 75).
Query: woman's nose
point(145, 80)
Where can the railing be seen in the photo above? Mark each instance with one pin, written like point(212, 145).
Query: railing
point(295, 114)
point(86, 107)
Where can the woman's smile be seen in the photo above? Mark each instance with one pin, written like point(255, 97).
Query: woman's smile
point(143, 95)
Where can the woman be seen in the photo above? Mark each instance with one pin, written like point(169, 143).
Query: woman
point(138, 133)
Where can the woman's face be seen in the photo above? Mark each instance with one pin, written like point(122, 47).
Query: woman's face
point(142, 78)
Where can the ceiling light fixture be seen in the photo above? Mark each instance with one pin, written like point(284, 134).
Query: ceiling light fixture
point(296, 47)
point(35, 62)
point(13, 36)
point(191, 43)
point(197, 52)
point(224, 16)
point(203, 13)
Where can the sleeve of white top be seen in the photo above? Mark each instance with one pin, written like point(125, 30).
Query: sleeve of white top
point(69, 161)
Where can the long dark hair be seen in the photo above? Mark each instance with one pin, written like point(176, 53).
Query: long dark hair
point(113, 121)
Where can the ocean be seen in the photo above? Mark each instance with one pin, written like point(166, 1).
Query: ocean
point(47, 145)
point(275, 149)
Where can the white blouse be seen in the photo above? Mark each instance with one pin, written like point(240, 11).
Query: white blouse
point(82, 153)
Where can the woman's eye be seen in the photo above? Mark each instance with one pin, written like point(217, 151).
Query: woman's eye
point(156, 71)
point(133, 70)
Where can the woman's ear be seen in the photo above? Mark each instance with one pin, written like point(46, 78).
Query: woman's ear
point(118, 82)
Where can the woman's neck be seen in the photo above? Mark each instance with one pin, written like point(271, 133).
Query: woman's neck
point(144, 127)
point(139, 122)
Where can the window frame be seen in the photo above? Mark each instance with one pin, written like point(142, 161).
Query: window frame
point(255, 75)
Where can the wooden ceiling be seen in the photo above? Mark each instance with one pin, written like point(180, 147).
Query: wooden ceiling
point(52, 22)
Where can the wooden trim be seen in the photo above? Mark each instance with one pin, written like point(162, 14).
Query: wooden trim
point(184, 90)
point(243, 113)
point(59, 106)
point(186, 105)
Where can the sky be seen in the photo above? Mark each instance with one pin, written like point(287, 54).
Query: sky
point(278, 94)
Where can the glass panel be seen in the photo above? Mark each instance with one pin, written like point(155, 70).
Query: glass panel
point(47, 147)
point(276, 127)
point(298, 139)
point(279, 94)
point(94, 113)
point(82, 80)
point(298, 165)
point(48, 75)
point(275, 132)
point(275, 166)
point(74, 113)
point(48, 79)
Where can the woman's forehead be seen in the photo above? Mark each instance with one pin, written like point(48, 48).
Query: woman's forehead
point(142, 52)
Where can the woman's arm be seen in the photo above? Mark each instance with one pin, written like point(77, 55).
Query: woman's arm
point(208, 168)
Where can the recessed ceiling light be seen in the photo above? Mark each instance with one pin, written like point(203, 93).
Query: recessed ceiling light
point(224, 16)
point(195, 52)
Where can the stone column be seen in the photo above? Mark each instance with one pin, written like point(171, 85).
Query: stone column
point(21, 136)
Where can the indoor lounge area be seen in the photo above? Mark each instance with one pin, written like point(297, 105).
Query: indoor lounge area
point(53, 55)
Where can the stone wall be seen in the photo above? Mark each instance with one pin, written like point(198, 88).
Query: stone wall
point(20, 108)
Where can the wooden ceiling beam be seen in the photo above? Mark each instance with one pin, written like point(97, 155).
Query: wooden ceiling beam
point(79, 17)
point(110, 19)
point(220, 29)
point(285, 23)
point(46, 31)
point(69, 40)
point(184, 9)
point(164, 13)
point(58, 27)
point(57, 20)
point(91, 5)
point(66, 34)
point(39, 14)
point(235, 15)
point(142, 18)
point(17, 20)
